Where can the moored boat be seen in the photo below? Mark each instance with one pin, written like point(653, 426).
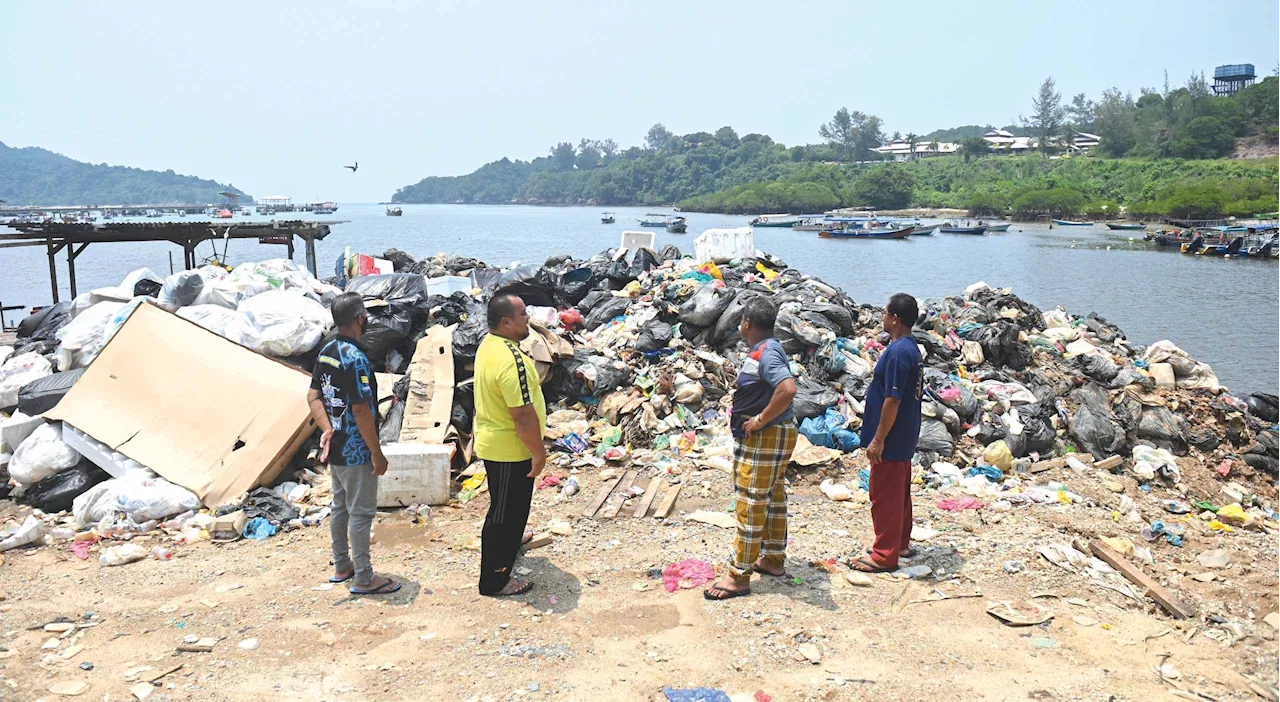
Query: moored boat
point(925, 230)
point(999, 227)
point(949, 228)
point(1126, 226)
point(652, 219)
point(812, 224)
point(394, 212)
point(775, 220)
point(676, 224)
point(865, 233)
point(606, 218)
point(1071, 223)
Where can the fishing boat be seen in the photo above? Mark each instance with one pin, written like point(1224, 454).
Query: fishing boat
point(924, 230)
point(999, 227)
point(865, 233)
point(1071, 223)
point(222, 214)
point(1126, 226)
point(154, 213)
point(653, 219)
point(775, 220)
point(950, 228)
point(607, 218)
point(812, 224)
point(395, 212)
point(1258, 247)
point(676, 224)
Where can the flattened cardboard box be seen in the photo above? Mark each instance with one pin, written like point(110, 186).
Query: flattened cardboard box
point(201, 411)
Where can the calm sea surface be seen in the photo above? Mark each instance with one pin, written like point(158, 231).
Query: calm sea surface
point(1223, 312)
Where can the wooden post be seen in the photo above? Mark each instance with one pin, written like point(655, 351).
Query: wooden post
point(311, 252)
point(72, 254)
point(53, 269)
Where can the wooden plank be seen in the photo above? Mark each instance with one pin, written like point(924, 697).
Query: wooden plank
point(668, 502)
point(1134, 574)
point(619, 496)
point(649, 493)
point(600, 497)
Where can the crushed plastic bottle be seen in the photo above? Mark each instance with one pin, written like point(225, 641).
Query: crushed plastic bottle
point(160, 553)
point(122, 554)
point(570, 487)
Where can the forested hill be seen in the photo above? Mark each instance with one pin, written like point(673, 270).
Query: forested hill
point(35, 176)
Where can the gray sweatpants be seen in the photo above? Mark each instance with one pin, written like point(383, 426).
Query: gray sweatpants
point(355, 502)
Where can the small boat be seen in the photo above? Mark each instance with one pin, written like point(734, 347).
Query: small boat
point(222, 214)
point(394, 212)
point(1126, 226)
point(607, 218)
point(676, 225)
point(1071, 223)
point(949, 228)
point(154, 213)
point(775, 220)
point(652, 219)
point(925, 230)
point(1256, 248)
point(815, 223)
point(865, 233)
point(1000, 227)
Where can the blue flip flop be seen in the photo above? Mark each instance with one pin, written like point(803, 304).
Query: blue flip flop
point(335, 579)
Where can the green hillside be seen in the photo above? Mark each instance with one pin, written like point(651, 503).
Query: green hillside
point(35, 176)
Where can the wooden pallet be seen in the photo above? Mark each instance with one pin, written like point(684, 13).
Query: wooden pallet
point(612, 497)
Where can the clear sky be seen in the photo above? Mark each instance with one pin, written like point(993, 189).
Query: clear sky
point(276, 97)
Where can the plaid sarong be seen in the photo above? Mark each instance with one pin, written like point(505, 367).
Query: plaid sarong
point(759, 470)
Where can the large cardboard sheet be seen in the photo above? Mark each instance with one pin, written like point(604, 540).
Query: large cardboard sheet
point(201, 411)
point(430, 401)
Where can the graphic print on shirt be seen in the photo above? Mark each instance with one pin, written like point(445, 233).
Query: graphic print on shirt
point(342, 378)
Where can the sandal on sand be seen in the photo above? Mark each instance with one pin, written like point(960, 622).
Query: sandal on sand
point(867, 565)
point(715, 592)
point(335, 579)
point(386, 588)
point(909, 553)
point(521, 587)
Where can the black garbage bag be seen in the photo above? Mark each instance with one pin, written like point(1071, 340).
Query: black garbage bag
point(1265, 464)
point(400, 261)
point(654, 335)
point(820, 322)
point(1000, 345)
point(1097, 367)
point(56, 492)
point(938, 384)
point(593, 298)
point(533, 284)
point(464, 405)
point(619, 274)
point(1202, 438)
point(557, 260)
point(605, 311)
point(784, 330)
point(670, 252)
point(44, 324)
point(602, 375)
point(706, 305)
point(401, 388)
point(726, 328)
point(40, 395)
point(1094, 426)
point(407, 289)
point(264, 503)
point(467, 338)
point(389, 432)
point(576, 284)
point(1264, 406)
point(840, 318)
point(1037, 434)
point(388, 330)
point(484, 277)
point(935, 438)
point(1131, 376)
point(990, 431)
point(1103, 329)
point(1159, 425)
point(829, 361)
point(47, 346)
point(644, 260)
point(812, 398)
point(994, 301)
point(936, 351)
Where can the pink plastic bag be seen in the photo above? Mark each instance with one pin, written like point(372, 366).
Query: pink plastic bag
point(959, 504)
point(951, 393)
point(687, 574)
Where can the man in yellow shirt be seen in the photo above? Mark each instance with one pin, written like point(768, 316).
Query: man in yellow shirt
point(510, 418)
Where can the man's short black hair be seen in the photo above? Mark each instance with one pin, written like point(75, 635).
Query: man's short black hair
point(761, 313)
point(346, 308)
point(904, 307)
point(501, 306)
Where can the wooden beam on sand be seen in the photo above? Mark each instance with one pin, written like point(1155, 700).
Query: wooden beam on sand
point(619, 495)
point(649, 493)
point(668, 502)
point(1134, 574)
point(600, 497)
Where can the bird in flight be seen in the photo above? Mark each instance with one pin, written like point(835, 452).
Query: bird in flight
point(354, 167)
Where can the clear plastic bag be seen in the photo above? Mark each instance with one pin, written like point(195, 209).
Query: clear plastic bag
point(139, 500)
point(283, 323)
point(41, 454)
point(85, 335)
point(19, 370)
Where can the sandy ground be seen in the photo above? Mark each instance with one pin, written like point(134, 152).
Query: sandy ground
point(599, 624)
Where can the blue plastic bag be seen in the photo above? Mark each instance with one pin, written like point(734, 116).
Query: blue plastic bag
point(823, 430)
point(989, 472)
point(697, 694)
point(259, 528)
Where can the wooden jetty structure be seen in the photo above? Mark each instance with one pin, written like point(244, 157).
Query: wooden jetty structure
point(76, 237)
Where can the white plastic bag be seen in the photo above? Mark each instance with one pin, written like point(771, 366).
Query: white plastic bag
point(84, 336)
point(41, 455)
point(180, 289)
point(1148, 462)
point(283, 323)
point(218, 319)
point(140, 500)
point(18, 371)
point(122, 554)
point(32, 530)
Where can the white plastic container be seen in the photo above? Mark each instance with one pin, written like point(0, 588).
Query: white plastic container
point(724, 245)
point(634, 241)
point(416, 474)
point(448, 285)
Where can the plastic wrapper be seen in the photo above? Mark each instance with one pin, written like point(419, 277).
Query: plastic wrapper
point(41, 454)
point(56, 492)
point(18, 371)
point(41, 395)
point(86, 334)
point(139, 500)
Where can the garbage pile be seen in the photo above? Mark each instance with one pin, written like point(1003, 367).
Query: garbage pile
point(638, 351)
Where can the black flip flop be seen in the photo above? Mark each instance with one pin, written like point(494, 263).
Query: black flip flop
point(729, 594)
point(909, 553)
point(384, 589)
point(871, 566)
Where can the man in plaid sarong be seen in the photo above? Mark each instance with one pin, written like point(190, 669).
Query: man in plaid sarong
point(764, 426)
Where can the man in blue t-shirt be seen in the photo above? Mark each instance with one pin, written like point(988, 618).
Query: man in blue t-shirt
point(890, 431)
point(764, 425)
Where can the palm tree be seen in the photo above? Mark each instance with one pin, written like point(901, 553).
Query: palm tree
point(912, 138)
point(933, 146)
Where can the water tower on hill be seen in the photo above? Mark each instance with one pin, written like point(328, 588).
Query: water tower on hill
point(1229, 80)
